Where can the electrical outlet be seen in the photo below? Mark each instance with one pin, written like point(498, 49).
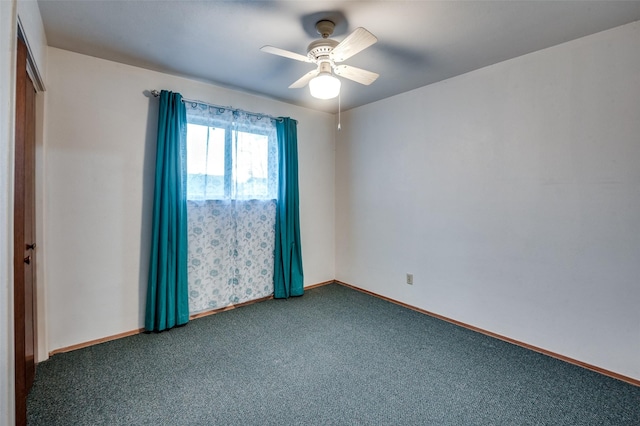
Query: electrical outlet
point(410, 279)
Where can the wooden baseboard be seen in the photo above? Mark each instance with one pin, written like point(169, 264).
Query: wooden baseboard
point(543, 351)
point(309, 287)
point(95, 342)
point(191, 317)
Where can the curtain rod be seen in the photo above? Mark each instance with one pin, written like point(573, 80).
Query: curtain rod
point(156, 93)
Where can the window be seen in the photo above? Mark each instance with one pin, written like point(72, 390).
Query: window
point(232, 186)
point(230, 155)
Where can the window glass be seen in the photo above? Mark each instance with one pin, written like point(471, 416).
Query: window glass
point(205, 162)
point(230, 155)
point(252, 163)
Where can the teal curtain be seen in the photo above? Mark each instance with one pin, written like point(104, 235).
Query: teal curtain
point(167, 291)
point(288, 279)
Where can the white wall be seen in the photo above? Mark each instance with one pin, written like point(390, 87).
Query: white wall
point(100, 156)
point(512, 194)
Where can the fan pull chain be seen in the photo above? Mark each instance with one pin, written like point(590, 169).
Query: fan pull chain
point(339, 126)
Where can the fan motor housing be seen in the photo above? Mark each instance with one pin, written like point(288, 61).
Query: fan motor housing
point(320, 48)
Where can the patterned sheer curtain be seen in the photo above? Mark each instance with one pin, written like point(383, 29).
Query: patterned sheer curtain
point(232, 186)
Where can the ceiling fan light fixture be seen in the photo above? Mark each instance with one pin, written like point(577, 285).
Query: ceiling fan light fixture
point(325, 52)
point(324, 86)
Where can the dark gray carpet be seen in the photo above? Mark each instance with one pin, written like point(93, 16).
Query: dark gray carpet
point(333, 356)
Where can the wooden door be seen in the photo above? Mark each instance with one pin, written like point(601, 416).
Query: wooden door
point(24, 236)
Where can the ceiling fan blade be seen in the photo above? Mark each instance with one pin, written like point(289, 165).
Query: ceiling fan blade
point(285, 53)
point(355, 42)
point(356, 74)
point(302, 81)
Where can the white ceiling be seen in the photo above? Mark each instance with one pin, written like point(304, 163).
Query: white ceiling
point(420, 42)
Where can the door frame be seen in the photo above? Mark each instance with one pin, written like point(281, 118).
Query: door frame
point(25, 301)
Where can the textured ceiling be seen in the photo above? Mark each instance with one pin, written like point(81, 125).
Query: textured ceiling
point(420, 42)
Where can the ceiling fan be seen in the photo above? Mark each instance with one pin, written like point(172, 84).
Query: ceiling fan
point(326, 53)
